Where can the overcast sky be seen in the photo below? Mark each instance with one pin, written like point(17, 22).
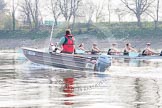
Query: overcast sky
point(115, 4)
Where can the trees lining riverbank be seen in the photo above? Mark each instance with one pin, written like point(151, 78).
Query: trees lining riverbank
point(99, 30)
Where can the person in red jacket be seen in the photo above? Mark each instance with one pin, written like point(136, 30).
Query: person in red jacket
point(67, 43)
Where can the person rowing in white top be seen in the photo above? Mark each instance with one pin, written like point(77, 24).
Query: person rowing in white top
point(113, 50)
point(148, 51)
point(95, 49)
point(128, 48)
point(81, 47)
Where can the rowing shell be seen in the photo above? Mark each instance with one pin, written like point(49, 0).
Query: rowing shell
point(139, 57)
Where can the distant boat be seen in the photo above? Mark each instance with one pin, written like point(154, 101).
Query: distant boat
point(69, 61)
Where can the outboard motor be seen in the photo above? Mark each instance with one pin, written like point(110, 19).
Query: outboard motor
point(103, 62)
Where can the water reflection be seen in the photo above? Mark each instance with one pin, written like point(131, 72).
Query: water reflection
point(68, 89)
point(128, 84)
point(147, 93)
point(137, 63)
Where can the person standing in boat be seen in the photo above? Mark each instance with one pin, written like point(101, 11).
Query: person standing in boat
point(67, 42)
point(113, 50)
point(128, 48)
point(95, 49)
point(148, 51)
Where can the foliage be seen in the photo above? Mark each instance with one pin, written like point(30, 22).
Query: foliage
point(5, 22)
point(23, 34)
point(99, 30)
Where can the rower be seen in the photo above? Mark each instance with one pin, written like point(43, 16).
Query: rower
point(95, 49)
point(81, 47)
point(113, 50)
point(148, 51)
point(128, 48)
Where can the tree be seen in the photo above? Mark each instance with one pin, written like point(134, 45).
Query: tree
point(26, 13)
point(120, 13)
point(109, 10)
point(99, 11)
point(89, 10)
point(75, 7)
point(13, 12)
point(2, 5)
point(68, 8)
point(157, 10)
point(154, 13)
point(138, 7)
point(157, 13)
point(34, 10)
point(30, 8)
point(55, 10)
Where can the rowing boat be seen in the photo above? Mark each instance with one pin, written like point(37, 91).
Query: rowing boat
point(140, 57)
point(131, 55)
point(68, 61)
point(135, 55)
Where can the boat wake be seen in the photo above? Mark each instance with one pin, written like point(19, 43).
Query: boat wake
point(34, 66)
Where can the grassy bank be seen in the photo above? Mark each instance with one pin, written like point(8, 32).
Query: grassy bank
point(122, 30)
point(99, 30)
point(23, 34)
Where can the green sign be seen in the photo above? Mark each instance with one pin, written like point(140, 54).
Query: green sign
point(48, 23)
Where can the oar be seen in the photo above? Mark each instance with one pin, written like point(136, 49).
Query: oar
point(99, 51)
point(51, 34)
point(139, 53)
point(103, 52)
point(160, 54)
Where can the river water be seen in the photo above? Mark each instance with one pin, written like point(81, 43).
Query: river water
point(128, 84)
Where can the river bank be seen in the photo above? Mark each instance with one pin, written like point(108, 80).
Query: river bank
point(88, 40)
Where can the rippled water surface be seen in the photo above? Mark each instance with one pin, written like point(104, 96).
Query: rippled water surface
point(128, 84)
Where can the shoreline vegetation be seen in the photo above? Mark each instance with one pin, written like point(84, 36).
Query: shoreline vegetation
point(99, 30)
point(101, 33)
point(92, 20)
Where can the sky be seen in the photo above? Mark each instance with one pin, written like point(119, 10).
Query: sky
point(115, 4)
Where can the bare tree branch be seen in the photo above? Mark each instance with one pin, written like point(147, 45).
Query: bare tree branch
point(68, 8)
point(154, 13)
point(55, 10)
point(138, 7)
point(2, 5)
point(31, 10)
